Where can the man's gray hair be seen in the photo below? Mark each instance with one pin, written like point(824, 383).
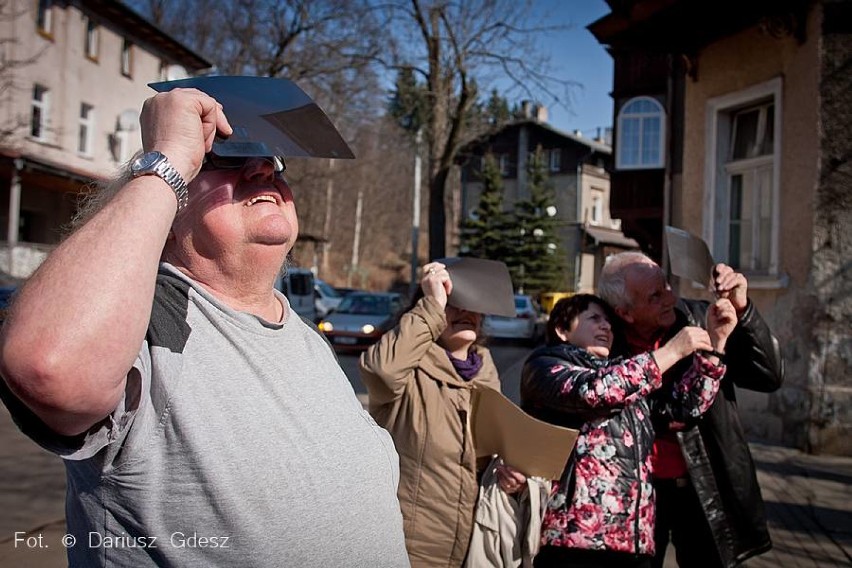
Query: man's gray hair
point(97, 195)
point(612, 283)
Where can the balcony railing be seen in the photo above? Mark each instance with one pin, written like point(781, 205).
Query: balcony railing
point(20, 260)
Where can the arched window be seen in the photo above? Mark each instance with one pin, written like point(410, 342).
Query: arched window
point(641, 135)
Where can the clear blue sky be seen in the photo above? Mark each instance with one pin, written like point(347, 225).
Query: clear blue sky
point(576, 55)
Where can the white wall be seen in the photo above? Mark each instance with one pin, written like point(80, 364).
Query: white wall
point(72, 78)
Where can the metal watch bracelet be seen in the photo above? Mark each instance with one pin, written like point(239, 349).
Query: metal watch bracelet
point(171, 176)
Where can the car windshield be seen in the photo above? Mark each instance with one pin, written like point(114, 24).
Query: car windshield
point(365, 305)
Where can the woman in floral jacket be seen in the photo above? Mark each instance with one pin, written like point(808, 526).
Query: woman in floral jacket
point(601, 511)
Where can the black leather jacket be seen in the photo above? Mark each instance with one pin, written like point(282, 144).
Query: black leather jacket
point(716, 451)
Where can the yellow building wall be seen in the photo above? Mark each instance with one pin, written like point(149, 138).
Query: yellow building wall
point(744, 60)
point(733, 64)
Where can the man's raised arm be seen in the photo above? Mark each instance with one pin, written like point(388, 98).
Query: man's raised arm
point(76, 326)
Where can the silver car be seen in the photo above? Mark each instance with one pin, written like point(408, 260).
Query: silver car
point(525, 325)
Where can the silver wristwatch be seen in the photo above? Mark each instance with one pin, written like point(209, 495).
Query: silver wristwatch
point(156, 164)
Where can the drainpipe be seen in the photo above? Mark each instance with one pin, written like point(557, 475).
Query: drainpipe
point(578, 254)
point(521, 192)
point(667, 178)
point(14, 212)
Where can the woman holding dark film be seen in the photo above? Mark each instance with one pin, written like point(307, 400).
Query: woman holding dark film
point(420, 377)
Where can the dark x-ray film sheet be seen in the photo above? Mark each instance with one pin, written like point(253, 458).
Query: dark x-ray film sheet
point(270, 117)
point(689, 256)
point(480, 285)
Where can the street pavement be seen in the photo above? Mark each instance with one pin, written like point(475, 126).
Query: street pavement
point(808, 500)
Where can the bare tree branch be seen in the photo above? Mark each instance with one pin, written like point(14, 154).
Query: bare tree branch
point(459, 47)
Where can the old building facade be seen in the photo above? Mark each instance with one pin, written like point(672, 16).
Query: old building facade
point(578, 171)
point(732, 121)
point(75, 77)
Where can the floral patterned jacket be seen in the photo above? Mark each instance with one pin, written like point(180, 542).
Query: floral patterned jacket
point(605, 500)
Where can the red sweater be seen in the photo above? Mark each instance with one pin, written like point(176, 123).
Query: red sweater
point(667, 460)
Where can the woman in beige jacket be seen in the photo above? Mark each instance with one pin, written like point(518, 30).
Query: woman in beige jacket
point(420, 377)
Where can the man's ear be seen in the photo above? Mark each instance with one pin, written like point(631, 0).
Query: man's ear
point(561, 334)
point(624, 314)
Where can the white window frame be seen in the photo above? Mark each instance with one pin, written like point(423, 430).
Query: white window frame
point(126, 57)
point(92, 41)
point(504, 164)
point(555, 159)
point(622, 115)
point(43, 107)
point(719, 123)
point(85, 134)
point(122, 140)
point(44, 16)
point(597, 207)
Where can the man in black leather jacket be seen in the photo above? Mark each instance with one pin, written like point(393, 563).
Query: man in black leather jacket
point(708, 500)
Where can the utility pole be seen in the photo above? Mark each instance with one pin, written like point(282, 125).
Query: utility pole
point(356, 241)
point(415, 214)
point(326, 225)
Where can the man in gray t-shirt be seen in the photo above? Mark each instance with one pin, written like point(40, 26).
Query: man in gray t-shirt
point(202, 422)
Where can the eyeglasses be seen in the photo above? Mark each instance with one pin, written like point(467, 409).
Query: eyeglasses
point(214, 162)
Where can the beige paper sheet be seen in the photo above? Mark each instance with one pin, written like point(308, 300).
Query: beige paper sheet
point(536, 448)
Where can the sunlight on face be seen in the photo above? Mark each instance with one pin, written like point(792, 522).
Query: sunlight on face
point(652, 301)
point(590, 330)
point(232, 212)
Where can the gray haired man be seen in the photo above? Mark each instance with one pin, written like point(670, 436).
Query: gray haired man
point(708, 501)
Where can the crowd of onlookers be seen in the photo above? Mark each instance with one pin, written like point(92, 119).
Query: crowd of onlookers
point(154, 353)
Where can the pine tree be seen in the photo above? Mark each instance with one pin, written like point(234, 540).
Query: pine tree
point(497, 109)
point(407, 103)
point(483, 233)
point(537, 262)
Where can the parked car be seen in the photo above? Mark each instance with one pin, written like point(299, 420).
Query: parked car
point(326, 298)
point(525, 325)
point(298, 285)
point(361, 319)
point(344, 291)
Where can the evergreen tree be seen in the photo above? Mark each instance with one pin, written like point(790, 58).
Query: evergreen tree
point(407, 103)
point(497, 110)
point(537, 261)
point(484, 232)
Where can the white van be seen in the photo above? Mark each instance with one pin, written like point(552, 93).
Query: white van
point(326, 298)
point(298, 285)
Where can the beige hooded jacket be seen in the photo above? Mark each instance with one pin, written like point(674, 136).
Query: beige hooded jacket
point(416, 394)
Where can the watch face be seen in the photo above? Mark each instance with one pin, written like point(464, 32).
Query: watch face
point(146, 161)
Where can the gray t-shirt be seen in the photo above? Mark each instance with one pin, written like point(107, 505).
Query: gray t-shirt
point(238, 443)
